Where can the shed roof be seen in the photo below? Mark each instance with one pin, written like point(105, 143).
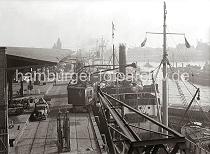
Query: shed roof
point(24, 56)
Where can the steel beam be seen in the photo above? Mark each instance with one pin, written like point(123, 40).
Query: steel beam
point(114, 129)
point(129, 65)
point(158, 142)
point(150, 130)
point(118, 120)
point(145, 116)
point(166, 33)
point(103, 126)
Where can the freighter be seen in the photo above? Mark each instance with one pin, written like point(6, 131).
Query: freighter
point(137, 98)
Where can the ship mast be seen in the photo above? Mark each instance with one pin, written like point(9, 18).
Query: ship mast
point(165, 63)
point(113, 56)
point(164, 81)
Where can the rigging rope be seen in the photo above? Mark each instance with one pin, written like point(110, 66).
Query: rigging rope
point(183, 98)
point(180, 53)
point(177, 47)
point(201, 109)
point(194, 99)
point(154, 84)
point(157, 68)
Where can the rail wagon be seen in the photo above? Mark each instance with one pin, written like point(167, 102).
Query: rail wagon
point(79, 95)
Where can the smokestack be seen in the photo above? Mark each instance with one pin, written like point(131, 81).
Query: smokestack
point(122, 58)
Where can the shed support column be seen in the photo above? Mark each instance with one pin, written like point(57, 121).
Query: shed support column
point(3, 103)
point(10, 75)
point(21, 87)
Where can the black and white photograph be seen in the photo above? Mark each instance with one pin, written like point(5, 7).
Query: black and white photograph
point(104, 77)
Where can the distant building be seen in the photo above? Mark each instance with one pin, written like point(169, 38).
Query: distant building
point(181, 46)
point(202, 46)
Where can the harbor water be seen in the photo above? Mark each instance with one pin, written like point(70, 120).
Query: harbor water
point(188, 89)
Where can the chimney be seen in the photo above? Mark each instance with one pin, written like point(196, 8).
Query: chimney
point(122, 58)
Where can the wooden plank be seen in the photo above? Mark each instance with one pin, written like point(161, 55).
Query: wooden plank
point(73, 133)
point(51, 141)
point(25, 142)
point(84, 145)
point(82, 126)
point(39, 141)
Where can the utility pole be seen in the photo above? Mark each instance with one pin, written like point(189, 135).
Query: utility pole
point(113, 52)
point(164, 81)
point(113, 56)
point(102, 46)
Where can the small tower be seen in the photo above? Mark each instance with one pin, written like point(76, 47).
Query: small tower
point(58, 44)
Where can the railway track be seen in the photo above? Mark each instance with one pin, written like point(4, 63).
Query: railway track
point(40, 137)
point(35, 134)
point(46, 137)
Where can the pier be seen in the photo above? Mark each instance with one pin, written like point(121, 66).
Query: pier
point(41, 136)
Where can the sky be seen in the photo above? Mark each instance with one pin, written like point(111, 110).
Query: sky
point(39, 23)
